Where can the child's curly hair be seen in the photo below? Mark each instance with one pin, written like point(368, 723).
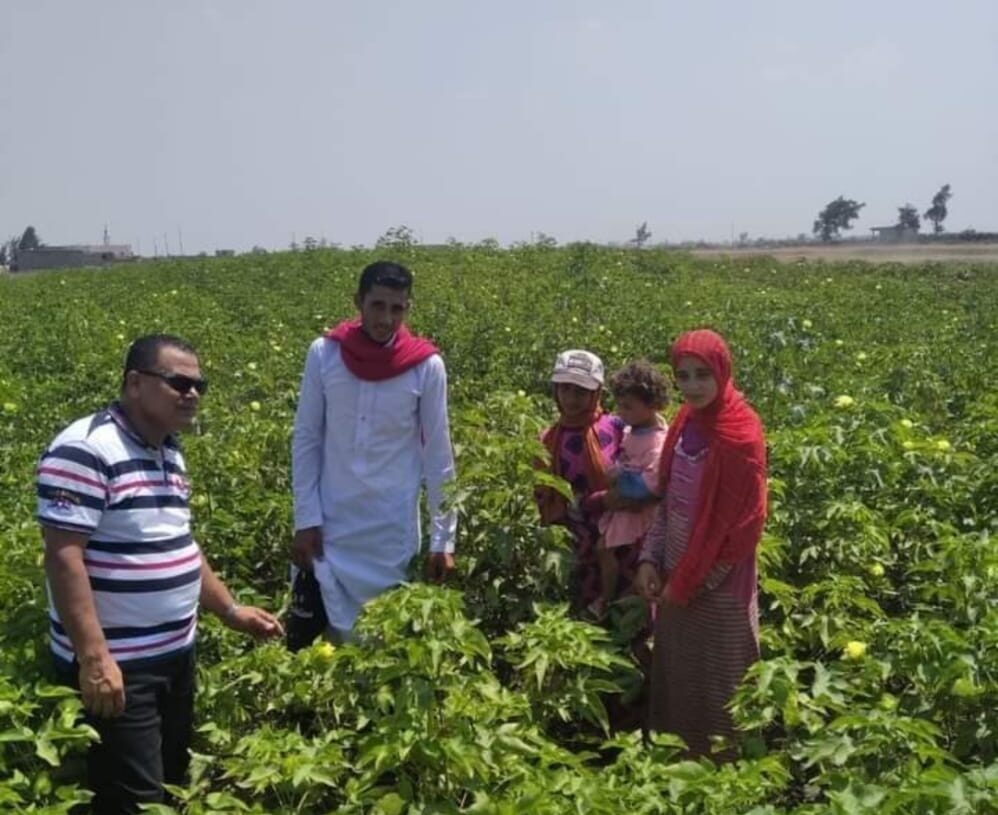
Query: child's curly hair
point(643, 381)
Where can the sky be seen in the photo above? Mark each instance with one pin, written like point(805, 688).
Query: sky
point(235, 123)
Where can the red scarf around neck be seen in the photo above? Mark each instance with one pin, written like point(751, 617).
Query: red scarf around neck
point(732, 503)
point(371, 361)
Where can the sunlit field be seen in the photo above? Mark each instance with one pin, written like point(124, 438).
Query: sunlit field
point(879, 568)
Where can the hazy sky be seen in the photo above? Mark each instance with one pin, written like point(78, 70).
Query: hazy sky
point(242, 122)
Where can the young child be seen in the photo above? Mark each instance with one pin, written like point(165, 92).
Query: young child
point(582, 443)
point(640, 392)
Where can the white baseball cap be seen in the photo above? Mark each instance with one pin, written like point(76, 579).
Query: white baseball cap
point(577, 367)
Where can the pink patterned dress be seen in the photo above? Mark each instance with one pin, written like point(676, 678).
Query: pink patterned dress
point(640, 453)
point(583, 517)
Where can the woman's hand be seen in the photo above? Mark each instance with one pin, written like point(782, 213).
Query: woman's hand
point(668, 596)
point(647, 583)
point(612, 500)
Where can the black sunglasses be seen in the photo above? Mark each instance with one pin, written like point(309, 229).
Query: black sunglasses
point(179, 382)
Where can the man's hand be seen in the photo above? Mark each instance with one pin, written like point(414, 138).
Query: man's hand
point(647, 581)
point(254, 621)
point(102, 686)
point(306, 546)
point(439, 566)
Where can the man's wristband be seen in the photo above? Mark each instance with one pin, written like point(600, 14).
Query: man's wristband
point(230, 612)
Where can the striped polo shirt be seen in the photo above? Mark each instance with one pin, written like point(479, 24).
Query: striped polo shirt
point(99, 478)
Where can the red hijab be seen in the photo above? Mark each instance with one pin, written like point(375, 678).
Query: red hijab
point(732, 505)
point(369, 360)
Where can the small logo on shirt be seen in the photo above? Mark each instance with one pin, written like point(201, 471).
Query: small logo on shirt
point(183, 485)
point(62, 502)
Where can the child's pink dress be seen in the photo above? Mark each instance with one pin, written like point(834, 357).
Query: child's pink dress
point(640, 453)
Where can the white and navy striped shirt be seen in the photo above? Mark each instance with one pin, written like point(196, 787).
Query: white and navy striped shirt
point(99, 478)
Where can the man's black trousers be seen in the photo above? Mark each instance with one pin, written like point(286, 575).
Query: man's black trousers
point(148, 743)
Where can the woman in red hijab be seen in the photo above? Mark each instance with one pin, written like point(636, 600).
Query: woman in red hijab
point(699, 559)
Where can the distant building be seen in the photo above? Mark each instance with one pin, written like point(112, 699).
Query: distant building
point(893, 234)
point(67, 257)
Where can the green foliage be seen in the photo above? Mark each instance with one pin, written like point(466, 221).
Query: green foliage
point(39, 736)
point(562, 667)
point(508, 559)
point(879, 570)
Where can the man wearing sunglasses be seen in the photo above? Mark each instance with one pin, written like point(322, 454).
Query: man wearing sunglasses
point(371, 428)
point(125, 577)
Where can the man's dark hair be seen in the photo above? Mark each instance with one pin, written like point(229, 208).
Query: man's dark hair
point(643, 381)
point(144, 352)
point(384, 273)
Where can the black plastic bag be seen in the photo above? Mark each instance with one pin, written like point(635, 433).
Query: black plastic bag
point(307, 615)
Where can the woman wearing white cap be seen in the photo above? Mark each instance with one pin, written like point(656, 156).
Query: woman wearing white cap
point(583, 444)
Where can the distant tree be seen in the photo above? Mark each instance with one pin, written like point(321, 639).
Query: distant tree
point(310, 243)
point(29, 240)
point(908, 218)
point(838, 215)
point(10, 250)
point(545, 240)
point(641, 235)
point(937, 212)
point(397, 237)
point(258, 250)
point(742, 238)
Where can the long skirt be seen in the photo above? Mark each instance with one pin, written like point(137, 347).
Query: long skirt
point(701, 653)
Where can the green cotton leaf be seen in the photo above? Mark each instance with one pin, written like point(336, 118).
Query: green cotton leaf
point(766, 672)
point(560, 485)
point(17, 734)
point(436, 655)
point(47, 751)
point(223, 801)
point(540, 669)
point(42, 786)
point(312, 774)
point(390, 804)
point(822, 681)
point(857, 798)
point(43, 690)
